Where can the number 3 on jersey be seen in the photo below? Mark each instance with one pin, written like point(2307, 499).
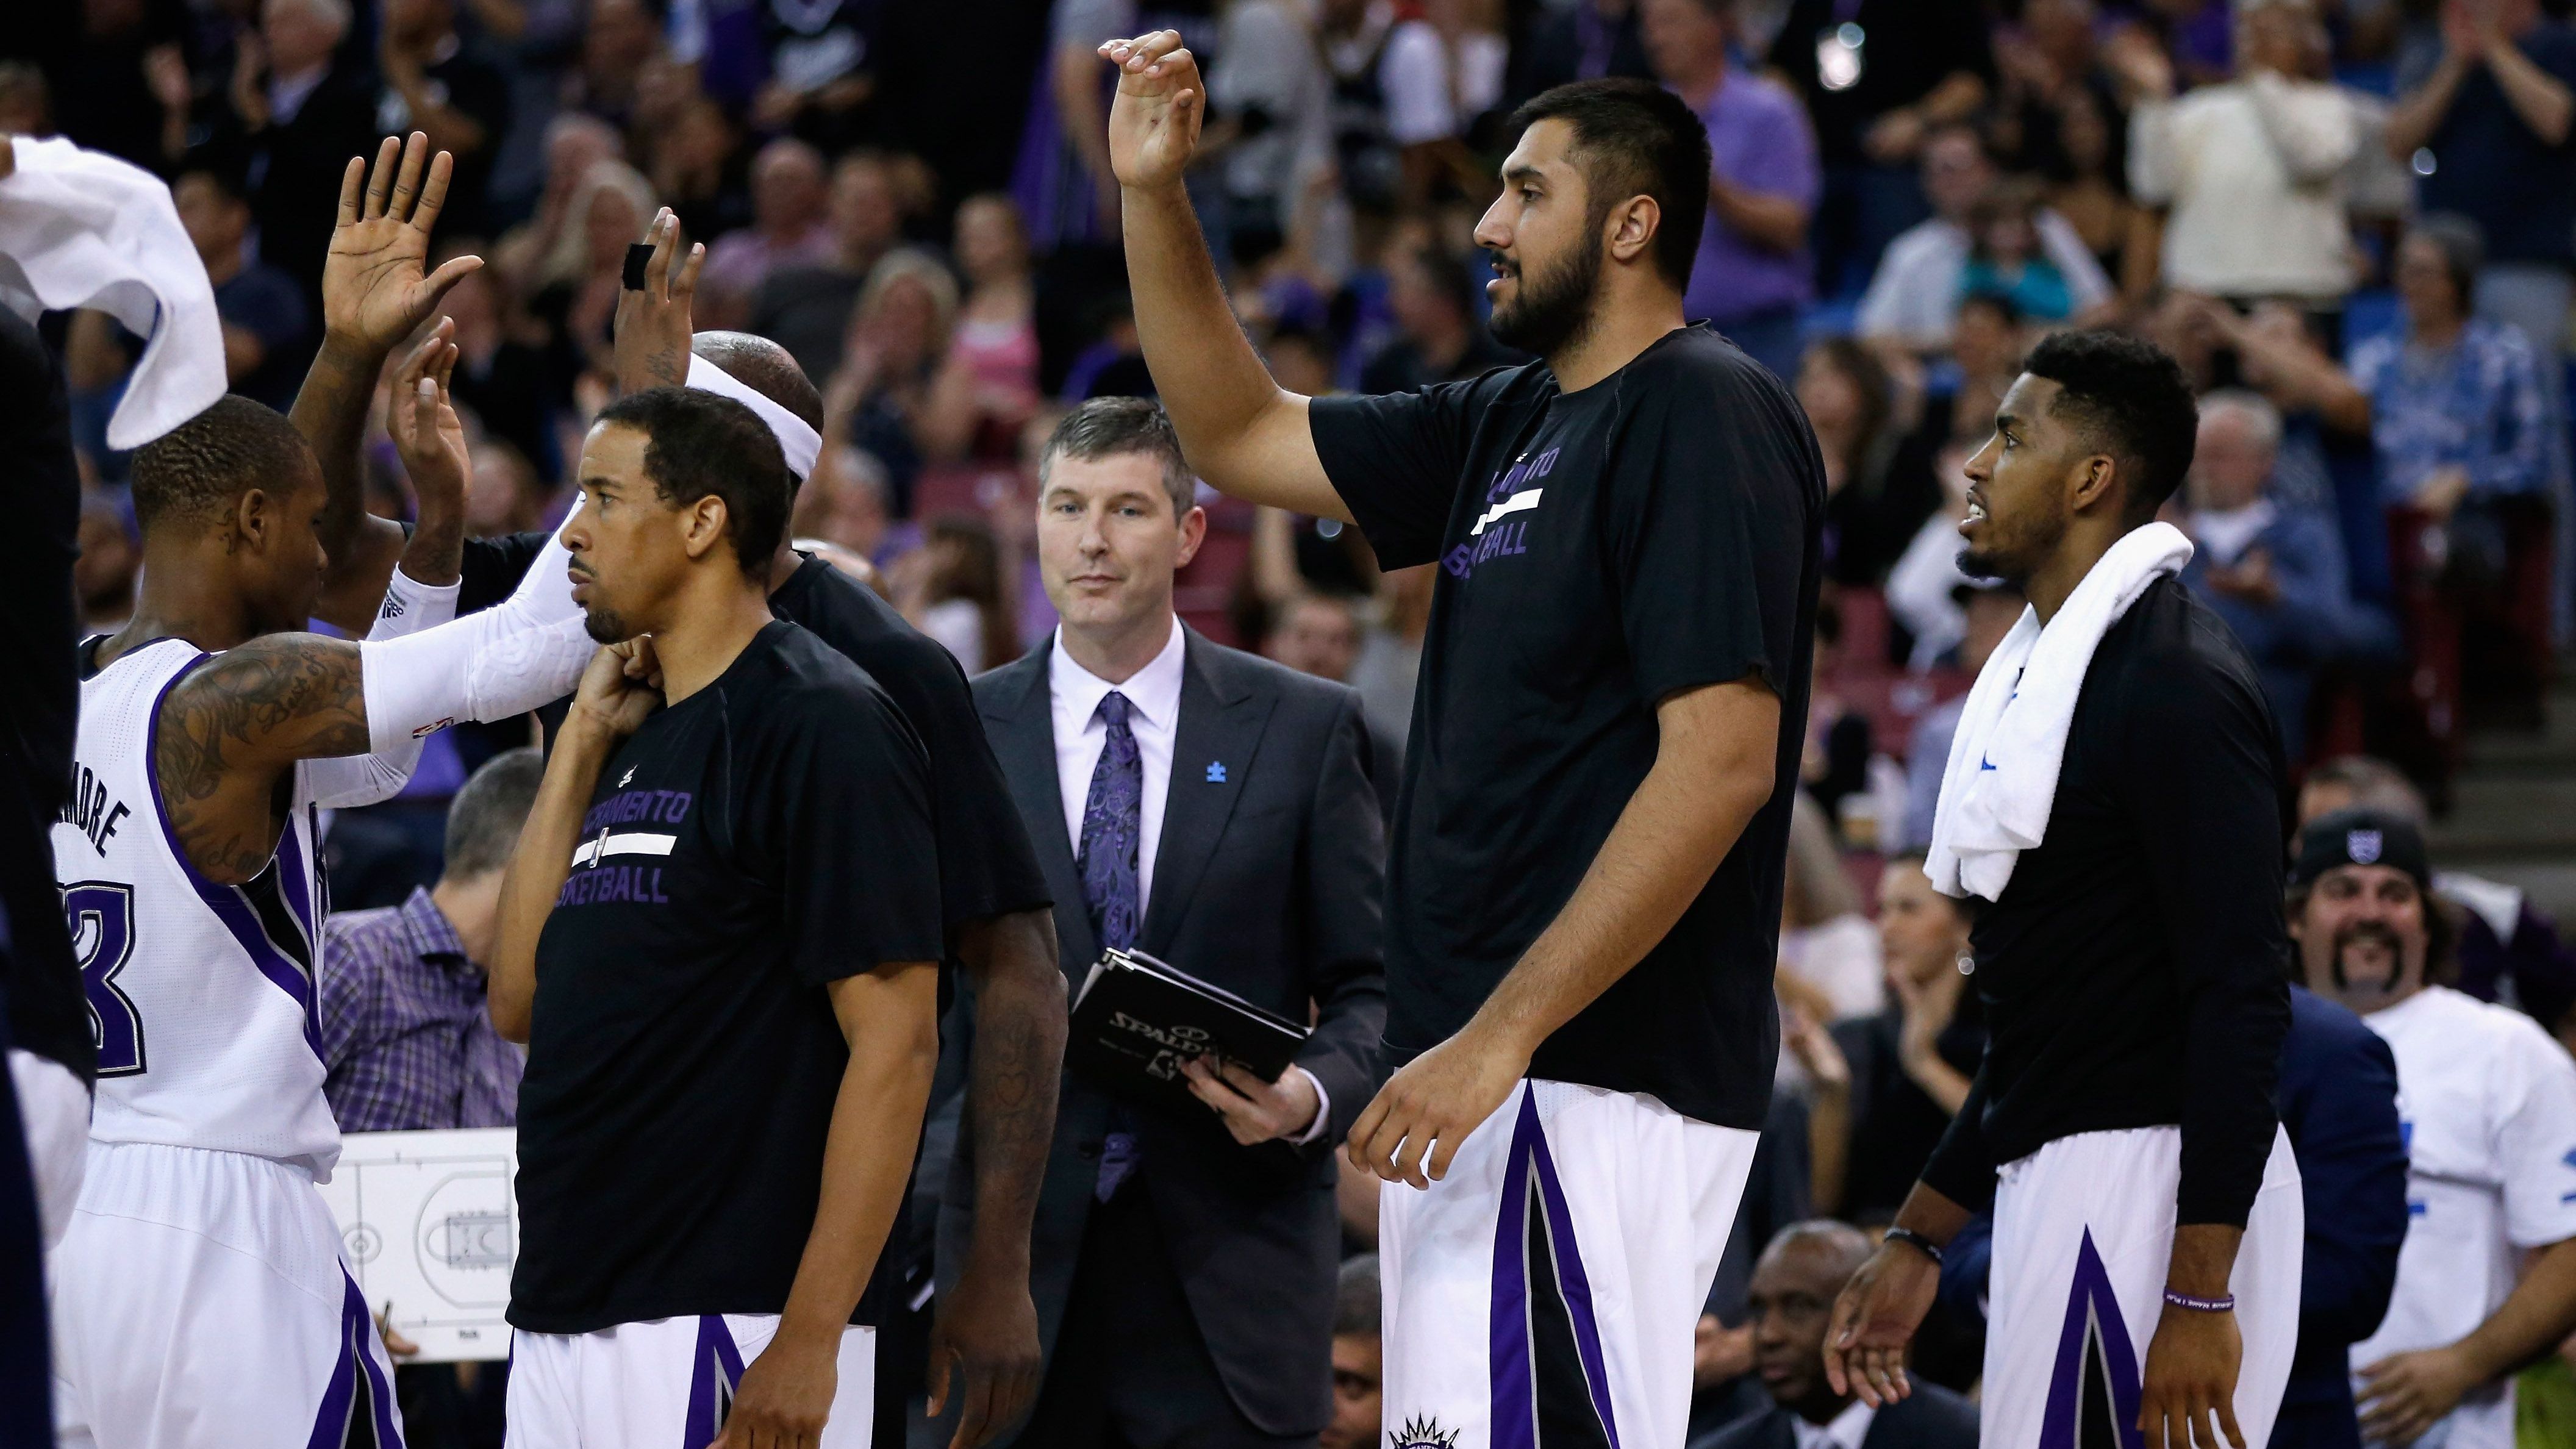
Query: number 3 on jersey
point(101, 914)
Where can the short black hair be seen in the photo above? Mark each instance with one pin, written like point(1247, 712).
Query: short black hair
point(2134, 398)
point(193, 473)
point(1356, 1311)
point(699, 444)
point(483, 820)
point(1633, 137)
point(1105, 427)
point(766, 368)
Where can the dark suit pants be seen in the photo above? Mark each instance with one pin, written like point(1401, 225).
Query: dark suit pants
point(1130, 1369)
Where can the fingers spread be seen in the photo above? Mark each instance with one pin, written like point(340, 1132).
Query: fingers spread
point(657, 269)
point(415, 155)
point(685, 285)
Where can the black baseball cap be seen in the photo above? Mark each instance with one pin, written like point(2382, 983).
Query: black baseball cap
point(2361, 836)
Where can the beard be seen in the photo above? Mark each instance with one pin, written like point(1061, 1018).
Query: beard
point(605, 625)
point(2378, 936)
point(1554, 308)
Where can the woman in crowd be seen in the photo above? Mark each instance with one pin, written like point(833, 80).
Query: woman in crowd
point(577, 282)
point(1877, 481)
point(1910, 1062)
point(897, 337)
point(988, 388)
point(952, 591)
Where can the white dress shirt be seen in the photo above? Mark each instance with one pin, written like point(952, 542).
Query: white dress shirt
point(1848, 1429)
point(1154, 717)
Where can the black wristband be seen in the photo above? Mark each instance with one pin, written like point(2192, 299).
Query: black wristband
point(1917, 1241)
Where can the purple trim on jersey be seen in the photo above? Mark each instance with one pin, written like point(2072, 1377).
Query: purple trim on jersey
point(294, 883)
point(715, 1370)
point(227, 902)
point(332, 1421)
point(2092, 1317)
point(1514, 1409)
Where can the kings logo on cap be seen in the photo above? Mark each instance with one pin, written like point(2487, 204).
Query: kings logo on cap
point(2362, 846)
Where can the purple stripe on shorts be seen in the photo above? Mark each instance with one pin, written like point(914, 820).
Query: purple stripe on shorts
point(227, 902)
point(715, 1369)
point(2092, 1317)
point(1570, 1279)
point(1514, 1422)
point(335, 1419)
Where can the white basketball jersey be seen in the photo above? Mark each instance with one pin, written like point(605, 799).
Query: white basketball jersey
point(201, 996)
point(2487, 1103)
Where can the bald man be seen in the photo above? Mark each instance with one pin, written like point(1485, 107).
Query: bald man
point(1791, 1300)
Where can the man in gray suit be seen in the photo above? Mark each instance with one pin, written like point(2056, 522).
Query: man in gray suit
point(1212, 809)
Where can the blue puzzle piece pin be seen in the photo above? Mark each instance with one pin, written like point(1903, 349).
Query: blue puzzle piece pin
point(1216, 772)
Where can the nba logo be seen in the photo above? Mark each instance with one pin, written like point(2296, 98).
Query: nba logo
point(2362, 846)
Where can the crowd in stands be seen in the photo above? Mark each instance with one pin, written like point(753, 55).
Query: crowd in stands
point(2353, 220)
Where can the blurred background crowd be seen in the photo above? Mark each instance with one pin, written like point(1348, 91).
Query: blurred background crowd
point(2354, 221)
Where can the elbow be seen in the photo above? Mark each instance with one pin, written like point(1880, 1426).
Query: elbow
point(509, 1018)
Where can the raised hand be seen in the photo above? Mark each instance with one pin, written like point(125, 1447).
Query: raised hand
point(1154, 121)
point(427, 435)
point(374, 293)
point(653, 324)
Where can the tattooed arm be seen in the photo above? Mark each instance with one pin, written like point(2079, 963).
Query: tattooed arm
point(232, 728)
point(375, 292)
point(988, 1325)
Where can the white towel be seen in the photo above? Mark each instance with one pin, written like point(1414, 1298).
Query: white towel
point(78, 229)
point(2001, 782)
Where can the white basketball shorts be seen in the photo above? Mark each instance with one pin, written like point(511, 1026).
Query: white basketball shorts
point(53, 1111)
point(199, 1302)
point(2083, 1231)
point(665, 1382)
point(1546, 1291)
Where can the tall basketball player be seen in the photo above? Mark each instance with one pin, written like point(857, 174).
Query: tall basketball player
point(1584, 897)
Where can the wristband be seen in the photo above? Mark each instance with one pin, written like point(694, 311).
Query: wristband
point(638, 256)
point(2226, 1304)
point(1916, 1241)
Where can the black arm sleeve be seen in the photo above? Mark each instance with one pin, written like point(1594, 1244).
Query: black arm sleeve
point(2202, 785)
point(493, 568)
point(1396, 460)
point(1962, 1168)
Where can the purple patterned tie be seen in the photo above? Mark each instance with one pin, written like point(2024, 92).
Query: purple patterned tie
point(1113, 817)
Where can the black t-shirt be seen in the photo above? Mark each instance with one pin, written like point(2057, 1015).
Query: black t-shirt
point(2133, 972)
point(1599, 551)
point(766, 836)
point(986, 865)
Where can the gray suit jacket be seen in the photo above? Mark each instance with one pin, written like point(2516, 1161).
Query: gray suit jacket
point(1267, 881)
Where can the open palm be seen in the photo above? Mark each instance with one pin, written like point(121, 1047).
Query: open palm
point(1154, 122)
point(374, 293)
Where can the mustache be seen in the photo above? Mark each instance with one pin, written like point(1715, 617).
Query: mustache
point(2372, 933)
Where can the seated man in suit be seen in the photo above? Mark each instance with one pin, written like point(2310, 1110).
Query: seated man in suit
point(1794, 1287)
point(1214, 810)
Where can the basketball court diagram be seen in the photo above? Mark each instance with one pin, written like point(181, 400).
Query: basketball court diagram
point(429, 1226)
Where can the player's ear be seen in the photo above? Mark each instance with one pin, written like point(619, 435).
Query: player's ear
point(1633, 227)
point(254, 516)
point(2096, 477)
point(702, 525)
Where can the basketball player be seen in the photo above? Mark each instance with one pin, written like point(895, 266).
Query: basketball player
point(1584, 894)
point(2147, 1216)
point(199, 1295)
point(720, 938)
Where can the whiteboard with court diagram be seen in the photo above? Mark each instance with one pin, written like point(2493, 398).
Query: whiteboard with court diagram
point(430, 1228)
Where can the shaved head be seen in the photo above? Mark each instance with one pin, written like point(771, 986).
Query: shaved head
point(766, 368)
point(191, 476)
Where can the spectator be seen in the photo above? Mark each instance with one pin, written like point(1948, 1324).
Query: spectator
point(1439, 336)
point(958, 598)
point(1986, 342)
point(786, 230)
point(1353, 36)
point(104, 78)
point(897, 337)
point(575, 296)
point(2275, 573)
point(1910, 1062)
point(2251, 169)
point(1988, 611)
point(1878, 479)
point(1584, 40)
point(1269, 96)
point(1753, 274)
point(819, 62)
point(805, 307)
point(574, 144)
point(1913, 300)
point(1924, 590)
point(1882, 79)
point(1827, 946)
point(698, 168)
point(2460, 426)
point(1835, 765)
point(987, 388)
point(2004, 256)
point(2490, 1108)
point(1319, 634)
point(1800, 1274)
point(2050, 79)
point(2089, 186)
point(298, 112)
point(2486, 126)
point(440, 82)
point(1391, 655)
point(1358, 1358)
point(503, 375)
point(845, 503)
point(268, 333)
point(1442, 70)
point(103, 575)
point(620, 40)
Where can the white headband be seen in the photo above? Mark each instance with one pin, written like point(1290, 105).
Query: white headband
point(796, 437)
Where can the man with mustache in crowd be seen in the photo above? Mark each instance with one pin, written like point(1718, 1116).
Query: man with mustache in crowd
point(2487, 1103)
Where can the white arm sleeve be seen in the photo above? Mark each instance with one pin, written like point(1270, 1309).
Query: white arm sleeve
point(409, 607)
point(504, 661)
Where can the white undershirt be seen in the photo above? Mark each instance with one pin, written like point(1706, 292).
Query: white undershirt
point(1848, 1429)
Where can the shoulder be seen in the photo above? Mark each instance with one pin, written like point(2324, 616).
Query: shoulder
point(1931, 1407)
point(1680, 377)
point(849, 617)
point(997, 691)
point(1759, 1432)
point(2332, 1034)
point(1299, 695)
point(804, 688)
point(2174, 653)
